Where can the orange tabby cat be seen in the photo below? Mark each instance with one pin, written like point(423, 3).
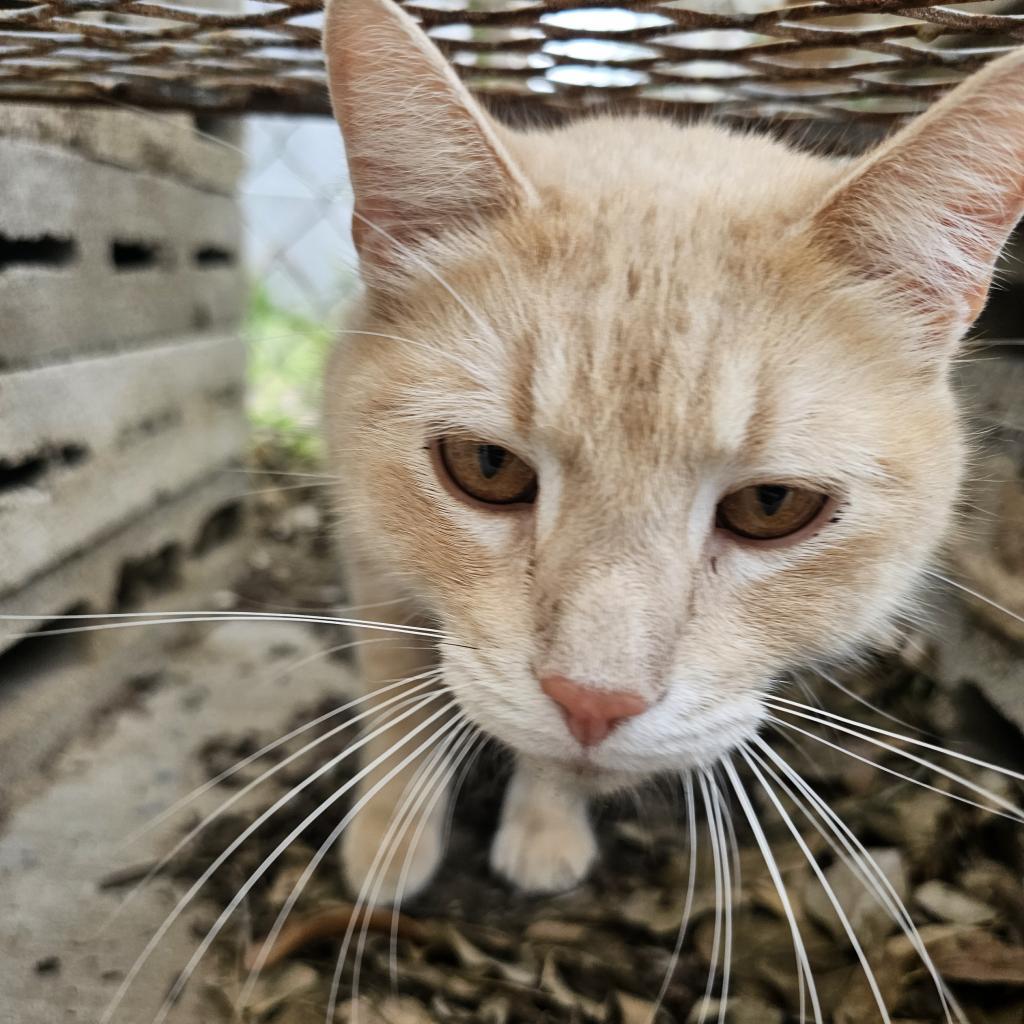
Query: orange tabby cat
point(640, 417)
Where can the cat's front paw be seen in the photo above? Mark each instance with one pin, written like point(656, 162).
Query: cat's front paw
point(545, 842)
point(367, 848)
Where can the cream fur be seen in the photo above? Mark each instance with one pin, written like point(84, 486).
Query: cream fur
point(653, 317)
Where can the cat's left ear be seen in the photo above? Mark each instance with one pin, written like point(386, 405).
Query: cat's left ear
point(930, 210)
point(423, 157)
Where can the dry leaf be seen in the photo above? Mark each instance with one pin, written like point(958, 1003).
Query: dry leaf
point(633, 1010)
point(868, 918)
point(945, 903)
point(404, 1010)
point(980, 958)
point(552, 981)
point(557, 932)
point(278, 987)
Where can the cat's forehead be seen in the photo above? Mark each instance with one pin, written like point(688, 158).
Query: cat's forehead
point(643, 369)
point(673, 329)
point(662, 348)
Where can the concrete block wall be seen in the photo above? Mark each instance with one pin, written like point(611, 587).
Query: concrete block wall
point(121, 362)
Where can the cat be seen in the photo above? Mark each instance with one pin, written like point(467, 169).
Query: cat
point(639, 417)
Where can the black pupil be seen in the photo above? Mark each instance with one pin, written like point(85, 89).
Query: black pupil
point(771, 498)
point(492, 458)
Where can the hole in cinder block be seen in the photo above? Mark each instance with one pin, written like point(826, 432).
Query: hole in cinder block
point(72, 454)
point(38, 251)
point(133, 254)
point(214, 256)
point(148, 576)
point(46, 648)
point(30, 470)
point(228, 395)
point(24, 473)
point(148, 427)
point(216, 127)
point(220, 526)
point(201, 316)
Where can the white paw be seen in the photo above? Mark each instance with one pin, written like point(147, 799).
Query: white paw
point(543, 844)
point(416, 857)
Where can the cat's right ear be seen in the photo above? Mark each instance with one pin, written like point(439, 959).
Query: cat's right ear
point(423, 156)
point(929, 211)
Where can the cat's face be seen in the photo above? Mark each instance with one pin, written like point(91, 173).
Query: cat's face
point(642, 384)
point(647, 321)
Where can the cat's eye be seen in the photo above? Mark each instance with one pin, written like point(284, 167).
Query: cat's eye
point(767, 512)
point(485, 472)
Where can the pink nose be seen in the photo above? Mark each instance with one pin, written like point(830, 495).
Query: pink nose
point(591, 714)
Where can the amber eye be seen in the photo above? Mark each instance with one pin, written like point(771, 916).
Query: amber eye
point(486, 472)
point(769, 511)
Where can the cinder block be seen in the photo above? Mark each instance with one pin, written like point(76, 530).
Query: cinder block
point(53, 685)
point(88, 445)
point(168, 145)
point(96, 258)
point(192, 525)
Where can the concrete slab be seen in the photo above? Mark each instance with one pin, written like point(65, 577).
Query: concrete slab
point(85, 446)
point(57, 962)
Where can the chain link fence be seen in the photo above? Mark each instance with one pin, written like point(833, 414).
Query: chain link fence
point(297, 206)
point(297, 209)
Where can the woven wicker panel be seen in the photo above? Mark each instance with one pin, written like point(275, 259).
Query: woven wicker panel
point(746, 58)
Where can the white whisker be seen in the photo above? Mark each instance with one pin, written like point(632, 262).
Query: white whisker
point(976, 594)
point(977, 762)
point(764, 846)
point(691, 883)
point(865, 703)
point(467, 762)
point(860, 862)
point(844, 920)
point(720, 894)
point(727, 890)
point(185, 801)
point(296, 892)
point(253, 471)
point(275, 854)
point(140, 619)
point(437, 783)
point(1010, 811)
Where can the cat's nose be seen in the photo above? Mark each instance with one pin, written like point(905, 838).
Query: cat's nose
point(591, 714)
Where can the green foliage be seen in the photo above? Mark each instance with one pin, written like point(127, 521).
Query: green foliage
point(286, 363)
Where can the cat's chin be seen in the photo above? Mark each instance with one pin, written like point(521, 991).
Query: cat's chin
point(590, 778)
